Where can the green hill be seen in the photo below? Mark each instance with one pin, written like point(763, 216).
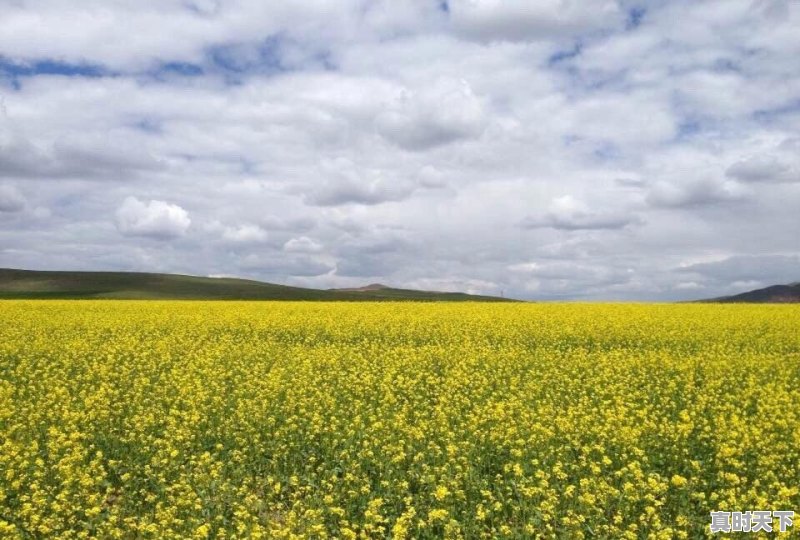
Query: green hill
point(774, 294)
point(136, 285)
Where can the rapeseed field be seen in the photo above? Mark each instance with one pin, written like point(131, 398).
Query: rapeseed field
point(124, 419)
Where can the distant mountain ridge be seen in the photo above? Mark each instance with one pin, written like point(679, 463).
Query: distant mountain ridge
point(774, 294)
point(36, 284)
point(365, 288)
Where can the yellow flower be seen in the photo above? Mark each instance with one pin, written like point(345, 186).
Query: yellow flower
point(202, 531)
point(123, 419)
point(441, 493)
point(438, 514)
point(678, 481)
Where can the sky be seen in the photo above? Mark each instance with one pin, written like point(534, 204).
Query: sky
point(557, 149)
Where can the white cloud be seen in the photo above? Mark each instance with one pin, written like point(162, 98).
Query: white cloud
point(11, 199)
point(74, 154)
point(780, 164)
point(282, 266)
point(688, 286)
point(302, 244)
point(775, 268)
point(445, 112)
point(244, 234)
point(343, 182)
point(522, 20)
point(569, 213)
point(173, 29)
point(325, 143)
point(154, 219)
point(694, 192)
point(763, 168)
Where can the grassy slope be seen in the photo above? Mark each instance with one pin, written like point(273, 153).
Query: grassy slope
point(134, 285)
point(773, 294)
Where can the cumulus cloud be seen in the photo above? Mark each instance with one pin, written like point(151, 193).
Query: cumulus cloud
point(244, 234)
point(779, 165)
point(521, 20)
point(329, 143)
point(694, 192)
point(764, 269)
point(344, 191)
point(11, 199)
point(648, 118)
point(176, 29)
point(367, 266)
point(302, 244)
point(559, 279)
point(247, 233)
point(74, 155)
point(571, 214)
point(432, 178)
point(153, 219)
point(373, 254)
point(762, 169)
point(187, 32)
point(281, 265)
point(344, 182)
point(433, 116)
point(457, 284)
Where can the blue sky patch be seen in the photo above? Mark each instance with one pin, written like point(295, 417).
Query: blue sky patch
point(564, 55)
point(14, 69)
point(688, 128)
point(635, 17)
point(242, 58)
point(181, 68)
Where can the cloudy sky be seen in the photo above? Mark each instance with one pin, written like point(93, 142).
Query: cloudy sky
point(581, 149)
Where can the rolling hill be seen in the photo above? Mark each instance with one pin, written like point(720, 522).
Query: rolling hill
point(382, 292)
point(36, 284)
point(775, 294)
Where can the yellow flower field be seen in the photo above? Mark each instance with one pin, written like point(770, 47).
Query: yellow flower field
point(124, 419)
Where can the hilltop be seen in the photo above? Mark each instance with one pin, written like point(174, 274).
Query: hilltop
point(775, 294)
point(140, 285)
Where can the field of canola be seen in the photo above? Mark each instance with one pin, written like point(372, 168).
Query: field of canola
point(403, 420)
